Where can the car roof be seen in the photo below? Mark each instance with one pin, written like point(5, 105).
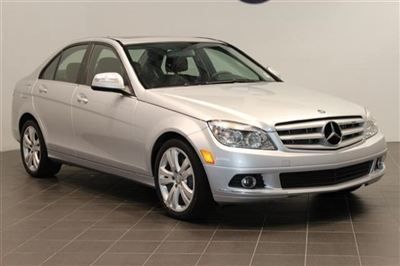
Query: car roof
point(148, 39)
point(151, 39)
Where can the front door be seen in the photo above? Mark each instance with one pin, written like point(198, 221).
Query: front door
point(104, 121)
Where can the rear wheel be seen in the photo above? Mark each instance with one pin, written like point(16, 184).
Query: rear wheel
point(181, 181)
point(34, 152)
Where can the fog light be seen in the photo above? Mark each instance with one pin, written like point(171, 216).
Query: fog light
point(248, 182)
point(380, 164)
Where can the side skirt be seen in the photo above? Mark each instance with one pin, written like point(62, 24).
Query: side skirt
point(80, 162)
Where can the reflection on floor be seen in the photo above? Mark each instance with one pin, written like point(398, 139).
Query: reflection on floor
point(86, 218)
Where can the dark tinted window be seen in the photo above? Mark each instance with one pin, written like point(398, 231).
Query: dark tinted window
point(70, 64)
point(104, 59)
point(48, 72)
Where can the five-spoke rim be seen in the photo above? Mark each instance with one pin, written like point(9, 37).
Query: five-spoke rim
point(31, 148)
point(176, 179)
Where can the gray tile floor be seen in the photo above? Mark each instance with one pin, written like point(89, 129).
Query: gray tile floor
point(86, 218)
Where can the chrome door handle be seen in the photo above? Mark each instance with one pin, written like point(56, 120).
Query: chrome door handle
point(42, 89)
point(81, 98)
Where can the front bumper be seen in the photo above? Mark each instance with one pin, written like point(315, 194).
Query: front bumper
point(231, 162)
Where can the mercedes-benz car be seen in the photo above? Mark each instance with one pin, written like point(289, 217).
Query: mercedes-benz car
point(196, 118)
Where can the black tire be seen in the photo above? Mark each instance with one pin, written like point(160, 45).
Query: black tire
point(202, 198)
point(46, 167)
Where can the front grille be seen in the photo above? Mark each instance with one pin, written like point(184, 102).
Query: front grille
point(309, 135)
point(324, 177)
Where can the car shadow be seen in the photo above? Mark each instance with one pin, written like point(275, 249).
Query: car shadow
point(284, 214)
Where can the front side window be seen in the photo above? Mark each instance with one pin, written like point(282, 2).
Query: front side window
point(186, 63)
point(104, 59)
point(70, 64)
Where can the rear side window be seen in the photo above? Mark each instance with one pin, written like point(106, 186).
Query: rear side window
point(70, 63)
point(49, 71)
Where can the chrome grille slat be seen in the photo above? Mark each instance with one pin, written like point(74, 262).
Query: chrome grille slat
point(309, 135)
point(343, 144)
point(316, 124)
point(352, 131)
point(303, 136)
point(319, 124)
point(352, 140)
point(350, 121)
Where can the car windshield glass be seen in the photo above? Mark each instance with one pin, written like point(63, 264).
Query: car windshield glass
point(172, 64)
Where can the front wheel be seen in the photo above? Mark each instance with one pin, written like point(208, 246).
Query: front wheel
point(181, 181)
point(34, 152)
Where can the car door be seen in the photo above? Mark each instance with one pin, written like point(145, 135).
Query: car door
point(52, 97)
point(104, 123)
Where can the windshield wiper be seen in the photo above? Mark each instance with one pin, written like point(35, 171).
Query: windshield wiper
point(199, 83)
point(231, 81)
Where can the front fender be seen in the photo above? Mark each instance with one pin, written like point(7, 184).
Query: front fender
point(156, 121)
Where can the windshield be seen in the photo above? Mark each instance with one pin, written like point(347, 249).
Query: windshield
point(186, 63)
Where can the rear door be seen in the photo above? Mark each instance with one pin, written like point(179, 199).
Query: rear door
point(52, 97)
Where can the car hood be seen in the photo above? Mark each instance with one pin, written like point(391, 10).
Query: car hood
point(259, 104)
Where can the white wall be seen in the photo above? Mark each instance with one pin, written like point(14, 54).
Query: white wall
point(347, 48)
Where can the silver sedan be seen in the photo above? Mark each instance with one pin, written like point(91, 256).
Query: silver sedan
point(196, 118)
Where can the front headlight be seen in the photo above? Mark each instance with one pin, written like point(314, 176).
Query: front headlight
point(371, 127)
point(240, 135)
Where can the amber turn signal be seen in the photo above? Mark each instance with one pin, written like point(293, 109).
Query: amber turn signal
point(207, 156)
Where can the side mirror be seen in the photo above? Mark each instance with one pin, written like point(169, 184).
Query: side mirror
point(110, 81)
point(275, 73)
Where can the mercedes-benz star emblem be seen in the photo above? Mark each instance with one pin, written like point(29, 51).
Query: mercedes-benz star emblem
point(332, 133)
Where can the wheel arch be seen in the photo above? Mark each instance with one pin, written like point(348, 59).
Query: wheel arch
point(26, 117)
point(29, 116)
point(164, 137)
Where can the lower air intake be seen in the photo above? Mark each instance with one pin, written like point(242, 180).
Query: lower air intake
point(324, 177)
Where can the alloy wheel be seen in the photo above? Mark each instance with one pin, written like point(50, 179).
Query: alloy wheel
point(176, 179)
point(31, 148)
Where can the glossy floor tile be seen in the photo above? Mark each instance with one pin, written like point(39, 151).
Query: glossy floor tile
point(82, 217)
